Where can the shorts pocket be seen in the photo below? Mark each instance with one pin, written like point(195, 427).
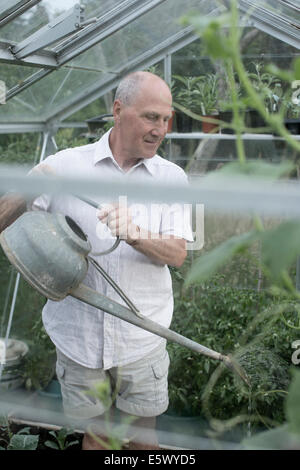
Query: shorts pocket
point(160, 368)
point(160, 376)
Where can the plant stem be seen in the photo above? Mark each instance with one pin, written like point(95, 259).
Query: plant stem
point(274, 120)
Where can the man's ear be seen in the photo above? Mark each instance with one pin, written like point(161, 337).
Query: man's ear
point(117, 110)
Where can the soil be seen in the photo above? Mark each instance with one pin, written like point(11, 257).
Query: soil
point(43, 437)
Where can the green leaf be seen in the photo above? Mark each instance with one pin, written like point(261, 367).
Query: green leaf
point(25, 430)
point(280, 247)
point(23, 442)
point(292, 403)
point(206, 265)
point(52, 445)
point(73, 443)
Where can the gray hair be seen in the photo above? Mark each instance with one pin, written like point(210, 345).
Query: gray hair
point(129, 87)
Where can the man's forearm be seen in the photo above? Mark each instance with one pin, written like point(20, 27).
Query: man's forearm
point(11, 207)
point(171, 250)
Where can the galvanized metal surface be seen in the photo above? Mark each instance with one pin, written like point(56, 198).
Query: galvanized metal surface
point(47, 252)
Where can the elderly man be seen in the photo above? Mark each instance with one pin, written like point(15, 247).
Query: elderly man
point(93, 346)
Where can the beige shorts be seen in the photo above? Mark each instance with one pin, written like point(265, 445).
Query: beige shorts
point(139, 388)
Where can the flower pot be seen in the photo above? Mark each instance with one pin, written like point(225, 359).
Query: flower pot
point(254, 119)
point(171, 122)
point(226, 116)
point(293, 126)
point(12, 360)
point(184, 123)
point(209, 127)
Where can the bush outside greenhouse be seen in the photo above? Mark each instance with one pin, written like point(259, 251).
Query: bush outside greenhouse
point(233, 68)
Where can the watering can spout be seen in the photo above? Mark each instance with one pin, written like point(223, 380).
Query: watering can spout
point(232, 365)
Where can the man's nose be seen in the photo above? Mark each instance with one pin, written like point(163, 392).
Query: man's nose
point(160, 128)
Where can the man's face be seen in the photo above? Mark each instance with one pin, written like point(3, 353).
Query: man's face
point(144, 124)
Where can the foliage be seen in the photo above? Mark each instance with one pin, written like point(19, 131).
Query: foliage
point(185, 92)
point(221, 37)
point(227, 319)
point(69, 138)
point(19, 149)
point(269, 86)
point(197, 94)
point(292, 404)
point(207, 94)
point(61, 442)
point(113, 433)
point(38, 368)
point(22, 440)
point(279, 249)
point(286, 436)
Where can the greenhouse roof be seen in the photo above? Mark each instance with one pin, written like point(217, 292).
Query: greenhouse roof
point(57, 57)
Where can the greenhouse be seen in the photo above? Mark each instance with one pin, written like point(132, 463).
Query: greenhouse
point(150, 225)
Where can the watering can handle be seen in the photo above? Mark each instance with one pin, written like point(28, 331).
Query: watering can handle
point(123, 296)
point(94, 204)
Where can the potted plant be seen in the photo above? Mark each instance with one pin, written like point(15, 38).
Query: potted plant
point(206, 100)
point(225, 104)
point(184, 93)
point(290, 107)
point(270, 88)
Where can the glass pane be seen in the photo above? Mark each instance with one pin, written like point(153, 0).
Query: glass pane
point(104, 60)
point(45, 95)
point(39, 15)
point(286, 10)
point(13, 75)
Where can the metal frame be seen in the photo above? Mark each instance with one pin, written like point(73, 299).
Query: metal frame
point(14, 8)
point(114, 20)
point(159, 52)
point(107, 25)
point(62, 26)
point(273, 24)
point(42, 58)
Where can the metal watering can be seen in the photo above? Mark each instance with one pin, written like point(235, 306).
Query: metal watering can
point(52, 253)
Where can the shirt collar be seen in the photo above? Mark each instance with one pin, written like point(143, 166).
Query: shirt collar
point(103, 151)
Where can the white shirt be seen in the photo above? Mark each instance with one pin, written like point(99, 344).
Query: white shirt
point(83, 333)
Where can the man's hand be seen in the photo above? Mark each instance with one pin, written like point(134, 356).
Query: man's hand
point(13, 205)
point(119, 220)
point(171, 251)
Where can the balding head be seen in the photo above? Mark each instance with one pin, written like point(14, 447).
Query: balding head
point(134, 83)
point(142, 108)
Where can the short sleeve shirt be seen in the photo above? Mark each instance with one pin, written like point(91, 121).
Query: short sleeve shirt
point(84, 333)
